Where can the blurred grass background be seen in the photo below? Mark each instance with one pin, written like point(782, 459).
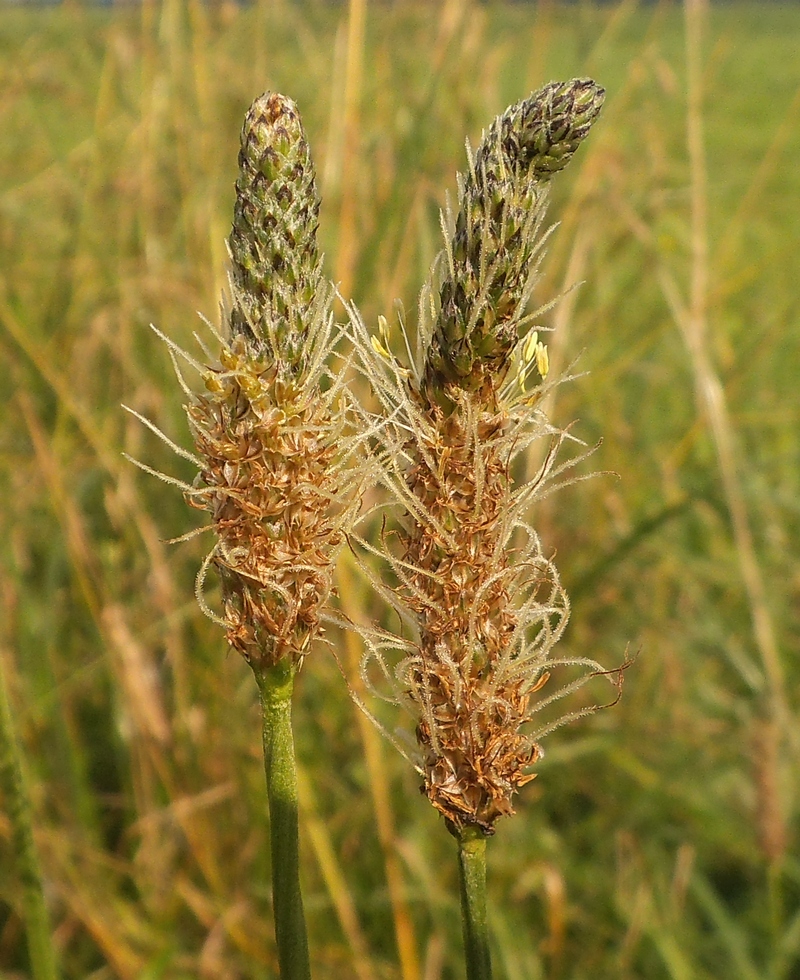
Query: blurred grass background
point(659, 840)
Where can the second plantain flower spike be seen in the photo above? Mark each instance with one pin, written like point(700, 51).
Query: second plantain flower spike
point(484, 604)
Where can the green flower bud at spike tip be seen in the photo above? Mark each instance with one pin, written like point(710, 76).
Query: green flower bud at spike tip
point(492, 252)
point(273, 243)
point(541, 133)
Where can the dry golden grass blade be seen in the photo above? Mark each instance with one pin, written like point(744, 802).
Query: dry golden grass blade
point(84, 562)
point(763, 174)
point(232, 923)
point(373, 747)
point(773, 832)
point(192, 814)
point(113, 925)
point(350, 123)
point(214, 228)
point(126, 505)
point(109, 459)
point(614, 26)
point(335, 880)
point(434, 958)
point(590, 168)
point(400, 269)
point(692, 320)
point(138, 676)
point(44, 363)
point(17, 825)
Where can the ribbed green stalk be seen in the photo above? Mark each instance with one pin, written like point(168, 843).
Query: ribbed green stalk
point(17, 805)
point(275, 685)
point(472, 876)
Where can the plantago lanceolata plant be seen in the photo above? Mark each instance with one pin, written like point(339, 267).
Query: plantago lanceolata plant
point(274, 471)
point(275, 443)
point(274, 460)
point(483, 603)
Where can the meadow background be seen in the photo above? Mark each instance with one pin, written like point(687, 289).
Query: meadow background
point(660, 838)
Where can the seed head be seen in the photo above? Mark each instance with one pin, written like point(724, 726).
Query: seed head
point(480, 653)
point(276, 481)
point(484, 603)
point(274, 457)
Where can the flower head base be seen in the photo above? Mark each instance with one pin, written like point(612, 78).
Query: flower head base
point(275, 480)
point(487, 615)
point(483, 605)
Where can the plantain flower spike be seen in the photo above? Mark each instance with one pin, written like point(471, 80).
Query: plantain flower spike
point(483, 604)
point(275, 469)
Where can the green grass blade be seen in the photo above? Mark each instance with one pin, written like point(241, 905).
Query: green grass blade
point(13, 784)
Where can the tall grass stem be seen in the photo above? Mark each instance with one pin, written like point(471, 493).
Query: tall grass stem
point(711, 394)
point(354, 67)
point(18, 808)
point(318, 832)
point(474, 922)
point(275, 685)
point(379, 787)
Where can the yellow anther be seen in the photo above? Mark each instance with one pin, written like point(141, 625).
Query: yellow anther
point(250, 386)
point(228, 359)
point(542, 359)
point(529, 347)
point(378, 347)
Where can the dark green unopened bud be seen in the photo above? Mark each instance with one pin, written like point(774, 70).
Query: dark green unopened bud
point(541, 133)
point(273, 242)
point(501, 207)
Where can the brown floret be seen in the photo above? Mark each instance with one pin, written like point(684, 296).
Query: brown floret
point(461, 589)
point(273, 496)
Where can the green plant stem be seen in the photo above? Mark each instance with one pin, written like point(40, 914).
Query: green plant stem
point(472, 875)
point(275, 686)
point(17, 804)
